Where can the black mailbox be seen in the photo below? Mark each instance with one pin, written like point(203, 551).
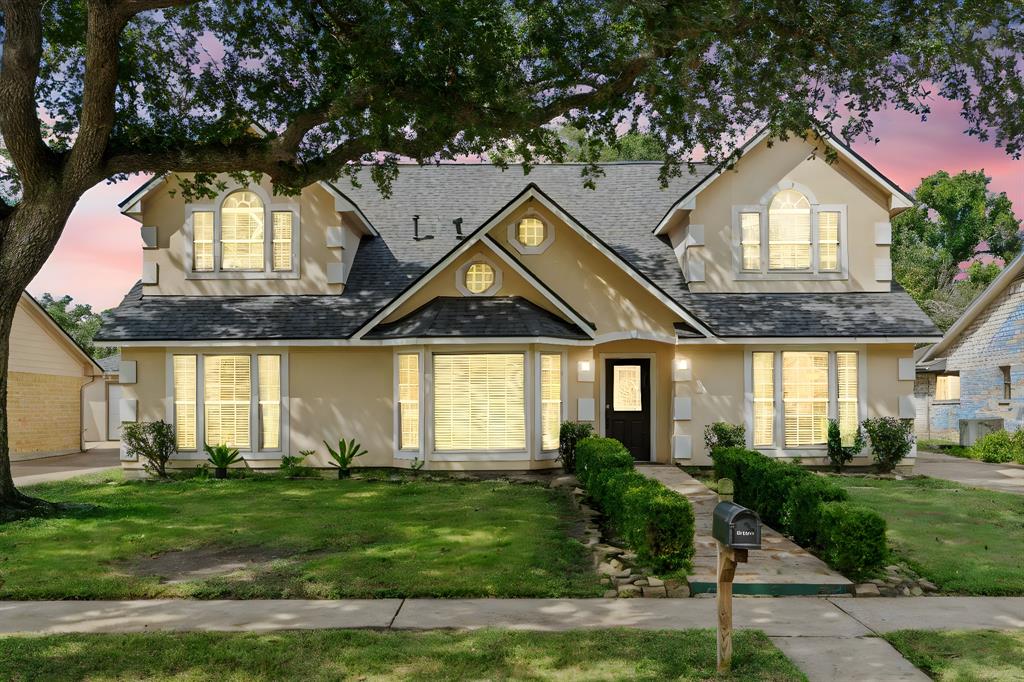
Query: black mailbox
point(736, 526)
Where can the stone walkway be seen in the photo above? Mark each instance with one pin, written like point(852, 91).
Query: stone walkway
point(780, 568)
point(63, 467)
point(828, 639)
point(1006, 478)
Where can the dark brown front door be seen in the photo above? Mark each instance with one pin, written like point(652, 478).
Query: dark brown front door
point(627, 409)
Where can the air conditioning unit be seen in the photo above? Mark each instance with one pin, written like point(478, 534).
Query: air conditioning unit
point(971, 430)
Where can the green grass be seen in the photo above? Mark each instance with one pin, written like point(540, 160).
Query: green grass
point(946, 447)
point(326, 539)
point(964, 656)
point(965, 540)
point(364, 655)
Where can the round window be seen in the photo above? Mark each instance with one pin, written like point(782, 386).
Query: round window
point(479, 277)
point(530, 232)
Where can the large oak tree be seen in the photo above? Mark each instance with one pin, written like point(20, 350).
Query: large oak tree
point(92, 90)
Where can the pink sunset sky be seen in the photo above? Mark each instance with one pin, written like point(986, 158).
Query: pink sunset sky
point(99, 256)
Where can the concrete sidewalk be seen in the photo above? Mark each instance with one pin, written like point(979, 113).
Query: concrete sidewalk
point(828, 639)
point(63, 467)
point(1006, 478)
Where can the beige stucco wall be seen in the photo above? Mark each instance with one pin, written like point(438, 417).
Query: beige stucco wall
point(598, 289)
point(757, 172)
point(165, 209)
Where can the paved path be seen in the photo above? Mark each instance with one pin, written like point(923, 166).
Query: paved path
point(1007, 478)
point(781, 568)
point(828, 639)
point(31, 471)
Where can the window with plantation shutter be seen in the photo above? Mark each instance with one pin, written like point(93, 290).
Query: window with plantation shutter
point(281, 240)
point(409, 401)
point(550, 399)
point(789, 231)
point(764, 399)
point(846, 386)
point(269, 380)
point(241, 232)
point(202, 241)
point(184, 373)
point(227, 397)
point(479, 402)
point(805, 397)
point(828, 241)
point(750, 240)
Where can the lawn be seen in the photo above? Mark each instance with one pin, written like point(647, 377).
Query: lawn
point(965, 540)
point(276, 538)
point(365, 655)
point(964, 656)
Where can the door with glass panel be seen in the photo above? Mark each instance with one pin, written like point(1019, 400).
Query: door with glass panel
point(627, 410)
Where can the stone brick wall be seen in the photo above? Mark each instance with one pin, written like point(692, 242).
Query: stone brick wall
point(44, 412)
point(994, 339)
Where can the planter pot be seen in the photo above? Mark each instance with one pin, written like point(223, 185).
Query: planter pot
point(220, 472)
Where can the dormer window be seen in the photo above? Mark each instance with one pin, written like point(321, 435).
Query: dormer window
point(790, 236)
point(231, 240)
point(478, 277)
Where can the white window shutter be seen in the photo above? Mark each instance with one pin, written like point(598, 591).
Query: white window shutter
point(907, 371)
point(126, 372)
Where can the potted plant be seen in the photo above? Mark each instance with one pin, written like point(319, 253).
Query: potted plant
point(344, 455)
point(221, 457)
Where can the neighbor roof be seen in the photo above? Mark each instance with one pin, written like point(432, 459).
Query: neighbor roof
point(485, 317)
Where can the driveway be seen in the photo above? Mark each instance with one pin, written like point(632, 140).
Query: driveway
point(1008, 478)
point(29, 472)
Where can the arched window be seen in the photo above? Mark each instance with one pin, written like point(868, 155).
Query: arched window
point(789, 231)
point(242, 232)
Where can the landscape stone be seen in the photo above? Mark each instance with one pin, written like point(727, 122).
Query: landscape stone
point(655, 582)
point(616, 564)
point(605, 568)
point(654, 592)
point(611, 594)
point(627, 591)
point(866, 590)
point(642, 582)
point(916, 591)
point(927, 585)
point(564, 481)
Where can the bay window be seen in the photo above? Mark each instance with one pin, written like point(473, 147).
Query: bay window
point(228, 399)
point(793, 394)
point(479, 402)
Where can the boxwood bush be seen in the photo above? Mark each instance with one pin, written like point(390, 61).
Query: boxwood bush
point(655, 522)
point(810, 508)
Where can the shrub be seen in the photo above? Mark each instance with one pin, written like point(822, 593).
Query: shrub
point(838, 453)
point(151, 442)
point(344, 455)
point(810, 508)
point(891, 440)
point(724, 435)
point(221, 457)
point(999, 447)
point(657, 523)
point(569, 435)
point(852, 539)
point(292, 467)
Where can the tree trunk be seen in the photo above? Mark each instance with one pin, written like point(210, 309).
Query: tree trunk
point(27, 238)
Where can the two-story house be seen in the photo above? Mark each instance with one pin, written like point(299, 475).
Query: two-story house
point(461, 320)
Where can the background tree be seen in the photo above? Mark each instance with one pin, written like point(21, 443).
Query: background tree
point(146, 86)
point(950, 246)
point(632, 146)
point(78, 320)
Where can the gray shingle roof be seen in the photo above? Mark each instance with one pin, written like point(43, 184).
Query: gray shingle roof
point(868, 314)
point(110, 364)
point(622, 212)
point(464, 316)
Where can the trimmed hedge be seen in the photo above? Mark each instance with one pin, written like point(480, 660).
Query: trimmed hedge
point(812, 509)
point(655, 522)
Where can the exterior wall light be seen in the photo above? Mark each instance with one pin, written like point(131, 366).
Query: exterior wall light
point(682, 370)
point(584, 371)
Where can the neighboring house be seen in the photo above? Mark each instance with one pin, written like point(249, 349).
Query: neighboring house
point(102, 419)
point(460, 321)
point(47, 372)
point(972, 380)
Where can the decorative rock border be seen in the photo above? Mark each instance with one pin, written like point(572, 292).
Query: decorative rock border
point(620, 573)
point(899, 581)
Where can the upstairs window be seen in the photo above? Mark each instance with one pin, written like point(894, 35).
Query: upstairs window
point(245, 236)
point(947, 387)
point(530, 232)
point(789, 237)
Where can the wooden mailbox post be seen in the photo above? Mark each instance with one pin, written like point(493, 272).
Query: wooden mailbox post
point(736, 529)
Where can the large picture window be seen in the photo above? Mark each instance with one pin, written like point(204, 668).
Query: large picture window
point(479, 402)
point(794, 393)
point(227, 396)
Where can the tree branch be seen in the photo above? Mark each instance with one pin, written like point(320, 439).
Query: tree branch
point(19, 68)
